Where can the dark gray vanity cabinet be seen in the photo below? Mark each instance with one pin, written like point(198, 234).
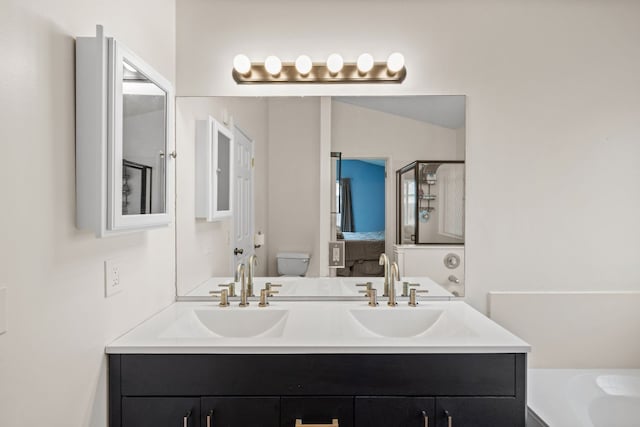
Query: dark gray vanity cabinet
point(359, 390)
point(160, 411)
point(397, 411)
point(478, 411)
point(240, 411)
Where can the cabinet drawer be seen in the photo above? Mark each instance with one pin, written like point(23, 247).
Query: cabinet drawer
point(160, 412)
point(240, 411)
point(395, 412)
point(480, 412)
point(316, 410)
point(319, 374)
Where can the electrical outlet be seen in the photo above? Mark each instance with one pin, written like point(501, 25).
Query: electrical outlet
point(112, 283)
point(3, 311)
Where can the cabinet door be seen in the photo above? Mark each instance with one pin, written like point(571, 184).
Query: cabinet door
point(316, 410)
point(214, 170)
point(160, 412)
point(240, 411)
point(479, 412)
point(395, 412)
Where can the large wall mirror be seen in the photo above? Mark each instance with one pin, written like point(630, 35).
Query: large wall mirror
point(307, 171)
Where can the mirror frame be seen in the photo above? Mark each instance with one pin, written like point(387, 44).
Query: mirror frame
point(118, 54)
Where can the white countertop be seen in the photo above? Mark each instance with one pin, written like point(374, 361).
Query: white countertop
point(339, 287)
point(311, 327)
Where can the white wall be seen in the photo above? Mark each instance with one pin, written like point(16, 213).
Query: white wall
point(552, 114)
point(579, 330)
point(294, 179)
point(52, 362)
point(359, 132)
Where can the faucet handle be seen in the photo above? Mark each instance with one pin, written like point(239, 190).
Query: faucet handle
point(405, 288)
point(373, 297)
point(223, 295)
point(264, 297)
point(231, 286)
point(412, 296)
point(367, 287)
point(270, 285)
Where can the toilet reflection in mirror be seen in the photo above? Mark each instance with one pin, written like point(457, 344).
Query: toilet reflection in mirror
point(293, 194)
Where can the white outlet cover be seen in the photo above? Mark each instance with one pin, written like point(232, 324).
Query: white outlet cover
point(112, 278)
point(3, 311)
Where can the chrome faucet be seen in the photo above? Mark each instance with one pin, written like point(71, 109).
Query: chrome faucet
point(384, 260)
point(253, 261)
point(395, 275)
point(243, 285)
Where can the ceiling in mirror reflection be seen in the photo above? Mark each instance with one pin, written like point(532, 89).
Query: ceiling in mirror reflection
point(440, 110)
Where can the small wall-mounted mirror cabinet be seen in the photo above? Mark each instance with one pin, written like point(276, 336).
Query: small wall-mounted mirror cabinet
point(214, 169)
point(124, 139)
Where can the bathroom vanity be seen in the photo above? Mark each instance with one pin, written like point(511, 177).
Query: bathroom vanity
point(318, 363)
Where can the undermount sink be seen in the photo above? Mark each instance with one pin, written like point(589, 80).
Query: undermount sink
point(243, 323)
point(396, 322)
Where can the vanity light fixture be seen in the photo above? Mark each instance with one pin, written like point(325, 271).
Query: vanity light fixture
point(304, 65)
point(395, 62)
point(335, 63)
point(273, 65)
point(364, 63)
point(333, 70)
point(242, 65)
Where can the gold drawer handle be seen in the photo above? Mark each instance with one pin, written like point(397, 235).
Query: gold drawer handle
point(334, 423)
point(426, 419)
point(449, 418)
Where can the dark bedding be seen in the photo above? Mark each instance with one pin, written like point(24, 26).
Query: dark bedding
point(361, 256)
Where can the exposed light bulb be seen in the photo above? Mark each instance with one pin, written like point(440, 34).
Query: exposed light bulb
point(242, 64)
point(365, 63)
point(335, 63)
point(395, 62)
point(273, 65)
point(304, 64)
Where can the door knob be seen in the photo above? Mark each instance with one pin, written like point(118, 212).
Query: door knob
point(237, 251)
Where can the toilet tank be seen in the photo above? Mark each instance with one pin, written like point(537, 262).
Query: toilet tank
point(293, 263)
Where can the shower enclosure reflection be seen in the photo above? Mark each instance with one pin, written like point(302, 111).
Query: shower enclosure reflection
point(431, 203)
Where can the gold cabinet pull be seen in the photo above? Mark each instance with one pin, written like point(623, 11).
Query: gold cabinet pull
point(449, 419)
point(185, 419)
point(209, 415)
point(334, 423)
point(426, 419)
